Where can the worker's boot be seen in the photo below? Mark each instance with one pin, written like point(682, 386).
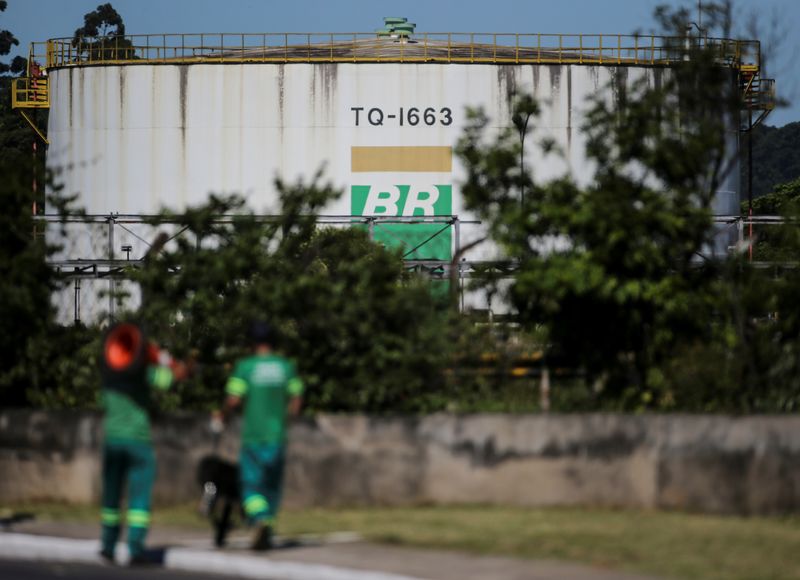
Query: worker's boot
point(262, 539)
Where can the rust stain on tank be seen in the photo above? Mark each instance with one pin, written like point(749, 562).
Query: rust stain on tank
point(183, 92)
point(329, 75)
point(121, 135)
point(313, 87)
point(555, 78)
point(281, 84)
point(594, 73)
point(70, 94)
point(619, 84)
point(658, 78)
point(569, 108)
point(507, 83)
point(183, 81)
point(122, 74)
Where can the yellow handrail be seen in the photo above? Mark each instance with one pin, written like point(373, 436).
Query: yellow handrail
point(30, 93)
point(512, 48)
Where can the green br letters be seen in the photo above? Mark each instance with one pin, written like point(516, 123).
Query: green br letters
point(428, 241)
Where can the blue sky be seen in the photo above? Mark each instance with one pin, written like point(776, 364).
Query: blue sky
point(36, 20)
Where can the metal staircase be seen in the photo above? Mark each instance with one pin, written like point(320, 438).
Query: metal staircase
point(32, 91)
point(758, 94)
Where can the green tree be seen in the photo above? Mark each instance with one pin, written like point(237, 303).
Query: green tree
point(16, 136)
point(768, 239)
point(778, 201)
point(776, 157)
point(27, 281)
point(25, 285)
point(367, 335)
point(7, 42)
point(613, 270)
point(102, 36)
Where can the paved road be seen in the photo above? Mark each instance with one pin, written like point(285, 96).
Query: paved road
point(18, 570)
point(328, 558)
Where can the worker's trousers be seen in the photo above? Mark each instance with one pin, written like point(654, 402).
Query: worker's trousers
point(134, 463)
point(261, 479)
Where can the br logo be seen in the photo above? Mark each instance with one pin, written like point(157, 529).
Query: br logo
point(401, 200)
point(428, 241)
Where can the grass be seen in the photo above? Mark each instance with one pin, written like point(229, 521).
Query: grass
point(674, 545)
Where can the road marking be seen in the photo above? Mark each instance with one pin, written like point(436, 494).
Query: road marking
point(47, 548)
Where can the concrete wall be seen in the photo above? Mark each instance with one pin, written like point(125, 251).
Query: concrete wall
point(748, 465)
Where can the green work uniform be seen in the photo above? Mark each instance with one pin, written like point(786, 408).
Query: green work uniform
point(265, 383)
point(128, 454)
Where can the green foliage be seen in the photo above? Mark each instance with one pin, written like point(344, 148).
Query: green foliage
point(65, 374)
point(770, 243)
point(776, 157)
point(102, 36)
point(611, 269)
point(28, 358)
point(7, 42)
point(779, 201)
point(614, 270)
point(750, 364)
point(25, 285)
point(366, 335)
point(16, 137)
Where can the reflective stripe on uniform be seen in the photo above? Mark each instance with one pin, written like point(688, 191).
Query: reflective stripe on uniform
point(109, 516)
point(255, 504)
point(295, 387)
point(138, 518)
point(162, 378)
point(236, 386)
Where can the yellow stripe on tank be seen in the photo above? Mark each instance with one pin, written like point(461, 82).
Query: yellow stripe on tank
point(419, 158)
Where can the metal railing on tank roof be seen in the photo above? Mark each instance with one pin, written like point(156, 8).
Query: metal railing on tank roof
point(447, 47)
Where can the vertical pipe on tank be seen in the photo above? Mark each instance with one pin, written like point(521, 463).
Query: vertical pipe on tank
point(457, 227)
point(77, 313)
point(34, 184)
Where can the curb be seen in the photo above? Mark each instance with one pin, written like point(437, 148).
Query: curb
point(54, 549)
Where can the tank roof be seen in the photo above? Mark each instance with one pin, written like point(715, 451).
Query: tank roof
point(445, 47)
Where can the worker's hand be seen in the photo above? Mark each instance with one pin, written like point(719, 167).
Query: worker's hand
point(217, 423)
point(180, 370)
point(192, 362)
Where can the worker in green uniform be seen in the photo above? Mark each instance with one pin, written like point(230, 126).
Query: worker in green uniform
point(130, 367)
point(268, 387)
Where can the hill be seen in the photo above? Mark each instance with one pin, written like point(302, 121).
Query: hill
point(776, 158)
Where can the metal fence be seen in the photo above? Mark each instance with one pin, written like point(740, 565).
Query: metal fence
point(96, 253)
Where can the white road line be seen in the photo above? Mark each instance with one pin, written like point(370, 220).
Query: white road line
point(28, 547)
point(47, 548)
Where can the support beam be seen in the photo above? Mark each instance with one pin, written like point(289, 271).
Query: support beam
point(33, 125)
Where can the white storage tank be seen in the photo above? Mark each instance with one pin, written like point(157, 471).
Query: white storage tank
point(171, 119)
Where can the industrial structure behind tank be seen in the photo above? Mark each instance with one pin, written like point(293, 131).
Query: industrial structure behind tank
point(164, 120)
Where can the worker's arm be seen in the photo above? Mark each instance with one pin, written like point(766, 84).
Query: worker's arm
point(164, 370)
point(294, 406)
point(295, 388)
point(235, 389)
point(221, 416)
